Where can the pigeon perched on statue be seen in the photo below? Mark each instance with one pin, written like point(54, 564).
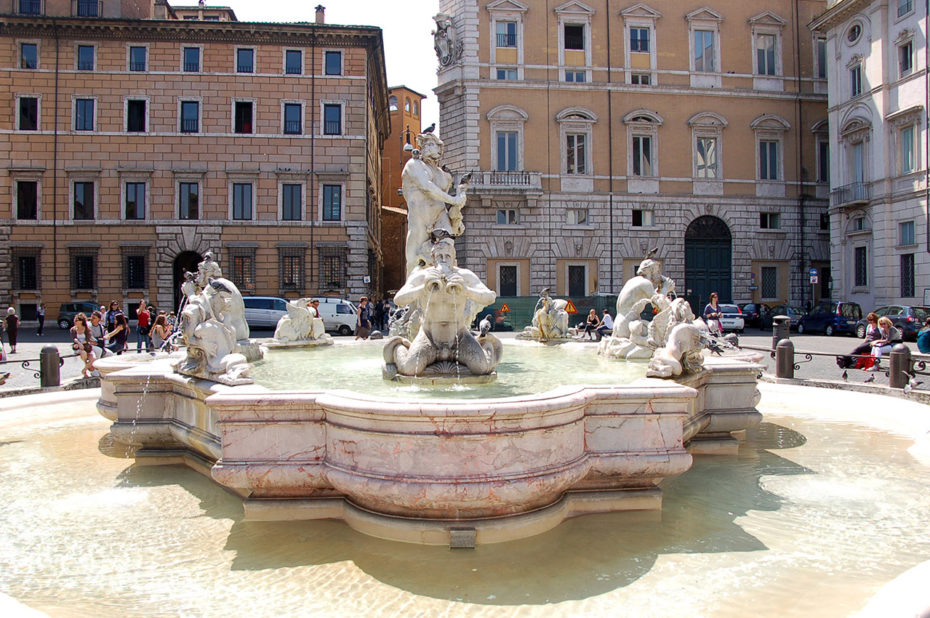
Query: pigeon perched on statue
point(430, 128)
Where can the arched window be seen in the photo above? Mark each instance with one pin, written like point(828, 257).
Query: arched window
point(416, 109)
point(392, 103)
point(407, 104)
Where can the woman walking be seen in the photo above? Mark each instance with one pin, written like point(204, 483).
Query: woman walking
point(12, 328)
point(40, 316)
point(712, 315)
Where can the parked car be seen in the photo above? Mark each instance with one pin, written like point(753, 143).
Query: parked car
point(339, 316)
point(731, 318)
point(830, 317)
point(757, 315)
point(794, 314)
point(264, 311)
point(67, 311)
point(906, 318)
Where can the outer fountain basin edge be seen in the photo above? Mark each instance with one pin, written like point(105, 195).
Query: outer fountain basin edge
point(413, 470)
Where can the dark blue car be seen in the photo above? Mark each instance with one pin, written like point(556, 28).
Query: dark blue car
point(830, 317)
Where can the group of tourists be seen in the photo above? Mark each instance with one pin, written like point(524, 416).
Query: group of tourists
point(107, 330)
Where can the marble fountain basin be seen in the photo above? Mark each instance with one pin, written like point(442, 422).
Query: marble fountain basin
point(436, 471)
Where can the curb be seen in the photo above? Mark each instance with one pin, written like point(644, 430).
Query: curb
point(919, 396)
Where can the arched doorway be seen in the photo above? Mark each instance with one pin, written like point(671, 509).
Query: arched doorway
point(186, 261)
point(708, 262)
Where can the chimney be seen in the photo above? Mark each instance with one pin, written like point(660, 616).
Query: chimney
point(320, 14)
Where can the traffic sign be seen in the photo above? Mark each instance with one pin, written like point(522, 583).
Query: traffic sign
point(570, 308)
point(813, 272)
point(813, 279)
point(505, 308)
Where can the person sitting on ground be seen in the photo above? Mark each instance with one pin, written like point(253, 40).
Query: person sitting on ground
point(83, 343)
point(607, 325)
point(590, 326)
point(864, 348)
point(923, 338)
point(119, 335)
point(888, 336)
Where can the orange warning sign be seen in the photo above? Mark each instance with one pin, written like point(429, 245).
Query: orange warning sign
point(570, 308)
point(504, 308)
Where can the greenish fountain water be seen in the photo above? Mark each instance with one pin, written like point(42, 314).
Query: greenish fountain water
point(810, 519)
point(527, 368)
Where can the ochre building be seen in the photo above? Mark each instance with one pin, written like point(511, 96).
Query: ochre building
point(137, 136)
point(597, 131)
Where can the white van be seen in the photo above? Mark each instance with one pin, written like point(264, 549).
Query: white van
point(338, 315)
point(264, 311)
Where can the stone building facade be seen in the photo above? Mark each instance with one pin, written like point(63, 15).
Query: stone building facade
point(405, 106)
point(136, 137)
point(879, 98)
point(598, 131)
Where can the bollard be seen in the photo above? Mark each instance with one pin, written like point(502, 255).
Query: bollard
point(49, 366)
point(899, 364)
point(784, 359)
point(781, 329)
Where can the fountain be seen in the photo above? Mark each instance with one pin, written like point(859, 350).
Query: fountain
point(445, 469)
point(301, 327)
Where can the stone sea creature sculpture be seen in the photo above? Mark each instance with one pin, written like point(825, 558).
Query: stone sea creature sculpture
point(445, 42)
point(550, 320)
point(450, 297)
point(212, 348)
point(631, 339)
point(302, 324)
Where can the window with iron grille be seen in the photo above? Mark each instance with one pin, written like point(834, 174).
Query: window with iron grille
point(332, 119)
point(291, 195)
point(245, 61)
point(243, 268)
point(293, 124)
point(134, 270)
point(293, 62)
point(83, 269)
point(332, 267)
point(83, 201)
point(861, 267)
point(291, 267)
point(769, 287)
point(574, 36)
point(27, 199)
point(191, 59)
point(26, 271)
point(190, 116)
point(907, 275)
point(87, 8)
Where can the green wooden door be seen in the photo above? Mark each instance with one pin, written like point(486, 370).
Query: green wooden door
point(708, 262)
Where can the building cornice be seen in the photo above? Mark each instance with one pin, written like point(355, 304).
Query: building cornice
point(178, 30)
point(837, 14)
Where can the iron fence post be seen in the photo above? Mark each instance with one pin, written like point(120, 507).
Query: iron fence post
point(49, 366)
point(784, 359)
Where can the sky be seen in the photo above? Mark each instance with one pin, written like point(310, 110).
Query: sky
point(406, 26)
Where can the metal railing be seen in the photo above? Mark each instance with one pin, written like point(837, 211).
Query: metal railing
point(190, 126)
point(137, 66)
point(850, 194)
point(332, 127)
point(506, 39)
point(506, 179)
point(292, 127)
point(191, 67)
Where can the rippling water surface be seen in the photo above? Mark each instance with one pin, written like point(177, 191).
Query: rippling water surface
point(526, 368)
point(809, 520)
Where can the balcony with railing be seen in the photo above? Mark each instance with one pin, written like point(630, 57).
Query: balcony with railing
point(87, 8)
point(190, 125)
point(516, 184)
point(506, 39)
point(854, 193)
point(292, 127)
point(29, 7)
